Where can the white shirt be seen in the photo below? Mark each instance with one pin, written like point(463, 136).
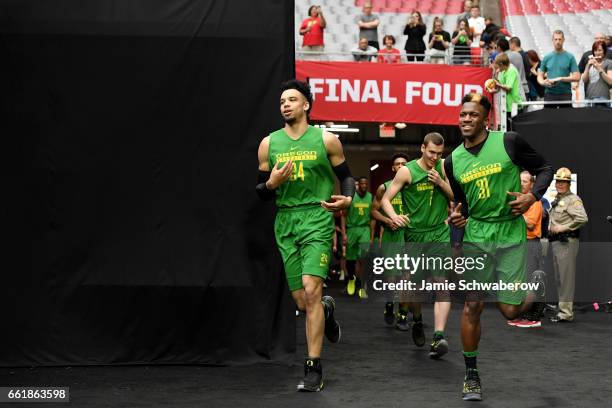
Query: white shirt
point(478, 24)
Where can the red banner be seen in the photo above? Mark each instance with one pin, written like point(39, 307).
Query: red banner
point(409, 93)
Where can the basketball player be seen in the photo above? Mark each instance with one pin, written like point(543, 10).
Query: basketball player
point(296, 167)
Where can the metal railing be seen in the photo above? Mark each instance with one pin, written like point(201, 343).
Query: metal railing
point(449, 58)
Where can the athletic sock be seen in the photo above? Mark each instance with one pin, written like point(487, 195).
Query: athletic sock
point(438, 335)
point(470, 359)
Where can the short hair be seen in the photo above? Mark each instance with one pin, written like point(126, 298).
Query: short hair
point(598, 44)
point(301, 87)
point(503, 44)
point(531, 176)
point(473, 7)
point(398, 155)
point(433, 137)
point(388, 36)
point(558, 32)
point(479, 99)
point(502, 59)
point(358, 179)
point(516, 41)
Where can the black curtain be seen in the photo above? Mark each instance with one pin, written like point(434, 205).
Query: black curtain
point(130, 132)
point(580, 139)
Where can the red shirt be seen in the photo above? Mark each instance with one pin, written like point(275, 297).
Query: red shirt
point(392, 56)
point(315, 35)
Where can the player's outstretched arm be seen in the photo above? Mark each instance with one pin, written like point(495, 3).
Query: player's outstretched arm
point(402, 177)
point(269, 180)
point(376, 206)
point(336, 157)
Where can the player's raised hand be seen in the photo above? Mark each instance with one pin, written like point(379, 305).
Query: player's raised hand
point(337, 202)
point(455, 216)
point(279, 176)
point(521, 203)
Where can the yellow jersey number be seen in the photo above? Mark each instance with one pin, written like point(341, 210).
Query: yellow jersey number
point(483, 185)
point(298, 171)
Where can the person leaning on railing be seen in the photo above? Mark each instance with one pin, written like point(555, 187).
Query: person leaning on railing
point(508, 80)
point(364, 52)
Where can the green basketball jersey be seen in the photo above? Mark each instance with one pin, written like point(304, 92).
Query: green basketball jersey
point(397, 203)
point(426, 205)
point(486, 179)
point(358, 214)
point(312, 180)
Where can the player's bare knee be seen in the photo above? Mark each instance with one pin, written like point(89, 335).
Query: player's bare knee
point(510, 312)
point(473, 309)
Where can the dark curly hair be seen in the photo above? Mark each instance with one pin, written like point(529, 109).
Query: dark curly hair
point(301, 87)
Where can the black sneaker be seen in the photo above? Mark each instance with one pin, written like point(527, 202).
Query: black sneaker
point(313, 376)
point(332, 327)
point(402, 323)
point(471, 386)
point(389, 315)
point(418, 334)
point(438, 348)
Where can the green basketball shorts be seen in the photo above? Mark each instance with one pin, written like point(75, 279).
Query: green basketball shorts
point(304, 238)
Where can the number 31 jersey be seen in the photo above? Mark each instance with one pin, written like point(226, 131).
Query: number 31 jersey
point(486, 178)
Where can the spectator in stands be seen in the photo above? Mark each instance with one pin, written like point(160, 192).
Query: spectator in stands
point(364, 51)
point(477, 25)
point(585, 57)
point(508, 80)
point(415, 30)
point(515, 58)
point(439, 41)
point(467, 6)
point(389, 54)
point(312, 30)
point(462, 41)
point(535, 89)
point(515, 45)
point(561, 69)
point(368, 25)
point(490, 32)
point(598, 73)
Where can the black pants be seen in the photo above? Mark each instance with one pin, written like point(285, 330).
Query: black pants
point(555, 97)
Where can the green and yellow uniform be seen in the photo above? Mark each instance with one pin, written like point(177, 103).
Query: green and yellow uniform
point(427, 209)
point(358, 225)
point(303, 228)
point(393, 241)
point(492, 229)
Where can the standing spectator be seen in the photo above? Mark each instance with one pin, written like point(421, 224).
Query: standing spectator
point(364, 52)
point(439, 41)
point(561, 69)
point(598, 73)
point(467, 6)
point(535, 89)
point(389, 54)
point(585, 57)
point(515, 58)
point(515, 46)
point(368, 25)
point(567, 216)
point(508, 80)
point(415, 30)
point(312, 29)
point(462, 41)
point(477, 26)
point(533, 222)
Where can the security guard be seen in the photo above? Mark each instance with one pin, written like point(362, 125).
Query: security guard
point(567, 216)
